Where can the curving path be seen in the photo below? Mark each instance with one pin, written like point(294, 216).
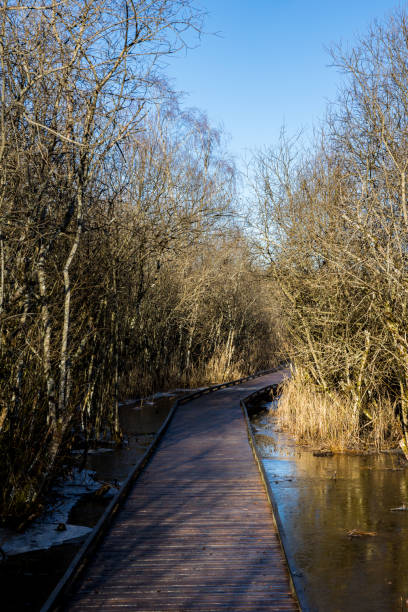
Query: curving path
point(197, 531)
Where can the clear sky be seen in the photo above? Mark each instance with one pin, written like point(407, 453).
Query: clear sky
point(269, 64)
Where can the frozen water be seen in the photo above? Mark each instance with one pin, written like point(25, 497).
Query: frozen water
point(42, 533)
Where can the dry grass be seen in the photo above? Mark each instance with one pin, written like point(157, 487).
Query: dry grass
point(221, 367)
point(333, 421)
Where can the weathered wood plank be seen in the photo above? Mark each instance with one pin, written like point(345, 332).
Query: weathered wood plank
point(197, 531)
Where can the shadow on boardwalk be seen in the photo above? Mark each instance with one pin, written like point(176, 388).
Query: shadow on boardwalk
point(196, 532)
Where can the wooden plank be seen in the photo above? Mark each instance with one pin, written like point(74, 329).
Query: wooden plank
point(197, 531)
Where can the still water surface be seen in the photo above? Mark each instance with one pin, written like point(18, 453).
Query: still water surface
point(320, 500)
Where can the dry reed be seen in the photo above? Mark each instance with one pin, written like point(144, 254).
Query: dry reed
point(333, 421)
point(222, 366)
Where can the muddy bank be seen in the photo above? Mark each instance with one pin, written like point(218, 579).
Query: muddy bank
point(344, 520)
point(37, 559)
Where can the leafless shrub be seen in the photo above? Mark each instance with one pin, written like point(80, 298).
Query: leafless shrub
point(120, 268)
point(333, 230)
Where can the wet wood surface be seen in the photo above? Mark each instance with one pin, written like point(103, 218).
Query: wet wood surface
point(197, 531)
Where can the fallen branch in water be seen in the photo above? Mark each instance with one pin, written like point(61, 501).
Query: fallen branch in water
point(357, 533)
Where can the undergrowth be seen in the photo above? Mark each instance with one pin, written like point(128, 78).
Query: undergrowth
point(333, 421)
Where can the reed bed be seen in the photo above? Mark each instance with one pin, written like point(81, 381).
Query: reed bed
point(332, 421)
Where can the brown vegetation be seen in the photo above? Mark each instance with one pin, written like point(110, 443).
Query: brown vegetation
point(332, 421)
point(334, 234)
point(120, 267)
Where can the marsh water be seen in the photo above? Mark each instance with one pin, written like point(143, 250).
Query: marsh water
point(320, 500)
point(345, 541)
point(36, 560)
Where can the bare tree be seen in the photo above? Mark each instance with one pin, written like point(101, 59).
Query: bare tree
point(335, 231)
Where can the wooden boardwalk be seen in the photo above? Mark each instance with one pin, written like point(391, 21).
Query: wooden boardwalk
point(197, 531)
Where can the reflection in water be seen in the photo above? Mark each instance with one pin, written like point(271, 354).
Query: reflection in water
point(139, 422)
point(321, 499)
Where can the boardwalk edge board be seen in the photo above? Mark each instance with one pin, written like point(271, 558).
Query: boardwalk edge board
point(296, 588)
point(77, 565)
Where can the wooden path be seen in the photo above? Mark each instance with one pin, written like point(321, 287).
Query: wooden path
point(197, 531)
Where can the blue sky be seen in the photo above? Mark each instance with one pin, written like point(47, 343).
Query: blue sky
point(269, 64)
